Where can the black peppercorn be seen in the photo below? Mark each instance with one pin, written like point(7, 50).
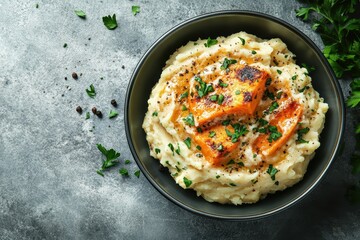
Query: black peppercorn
point(79, 109)
point(99, 114)
point(74, 75)
point(114, 103)
point(94, 110)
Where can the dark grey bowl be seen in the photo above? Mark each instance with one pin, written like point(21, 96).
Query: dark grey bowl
point(225, 23)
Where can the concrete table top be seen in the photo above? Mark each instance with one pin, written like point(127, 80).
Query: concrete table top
point(48, 155)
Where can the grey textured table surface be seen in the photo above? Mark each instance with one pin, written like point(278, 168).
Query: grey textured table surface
point(48, 155)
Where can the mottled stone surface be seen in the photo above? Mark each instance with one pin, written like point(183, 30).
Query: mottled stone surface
point(48, 155)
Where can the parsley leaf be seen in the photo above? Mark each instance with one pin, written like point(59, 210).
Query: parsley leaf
point(171, 148)
point(273, 106)
point(91, 91)
point(226, 63)
point(80, 14)
point(240, 130)
point(300, 133)
point(354, 98)
point(242, 41)
point(187, 142)
point(137, 173)
point(110, 22)
point(187, 182)
point(135, 10)
point(124, 172)
point(113, 113)
point(210, 42)
point(203, 89)
point(274, 133)
point(189, 120)
point(272, 171)
point(111, 158)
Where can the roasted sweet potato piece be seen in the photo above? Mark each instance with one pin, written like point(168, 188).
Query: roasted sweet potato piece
point(218, 143)
point(239, 91)
point(279, 130)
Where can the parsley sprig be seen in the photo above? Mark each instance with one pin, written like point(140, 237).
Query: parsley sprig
point(110, 22)
point(203, 89)
point(239, 130)
point(110, 161)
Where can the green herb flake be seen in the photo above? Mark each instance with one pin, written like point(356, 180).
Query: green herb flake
point(232, 184)
point(111, 158)
point(273, 106)
point(189, 120)
point(242, 41)
point(230, 162)
point(225, 122)
point(212, 134)
point(113, 113)
point(157, 150)
point(198, 147)
point(87, 115)
point(184, 108)
point(184, 95)
point(177, 150)
point(274, 134)
point(220, 99)
point(187, 182)
point(91, 91)
point(137, 173)
point(110, 22)
point(217, 176)
point(127, 161)
point(210, 42)
point(239, 130)
point(279, 71)
point(226, 63)
point(220, 148)
point(272, 172)
point(155, 114)
point(171, 148)
point(213, 98)
point(294, 77)
point(222, 84)
point(135, 10)
point(237, 92)
point(80, 14)
point(300, 133)
point(203, 89)
point(187, 142)
point(253, 52)
point(124, 172)
point(65, 45)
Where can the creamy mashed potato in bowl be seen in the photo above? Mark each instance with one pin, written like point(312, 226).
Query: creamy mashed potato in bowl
point(233, 117)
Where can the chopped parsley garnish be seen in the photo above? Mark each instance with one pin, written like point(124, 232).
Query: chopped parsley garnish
point(220, 148)
point(137, 173)
point(155, 114)
point(279, 71)
point(91, 91)
point(300, 133)
point(65, 45)
point(210, 42)
point(309, 68)
point(199, 130)
point(187, 182)
point(217, 176)
point(157, 150)
point(198, 147)
point(212, 134)
point(273, 106)
point(304, 88)
point(213, 98)
point(110, 22)
point(127, 161)
point(274, 133)
point(294, 77)
point(232, 184)
point(225, 122)
point(187, 142)
point(240, 130)
point(184, 108)
point(272, 172)
point(111, 158)
point(80, 13)
point(227, 62)
point(220, 99)
point(263, 122)
point(177, 150)
point(230, 162)
point(171, 148)
point(203, 89)
point(113, 113)
point(135, 10)
point(184, 95)
point(253, 52)
point(87, 116)
point(242, 41)
point(124, 172)
point(222, 84)
point(268, 94)
point(237, 92)
point(189, 120)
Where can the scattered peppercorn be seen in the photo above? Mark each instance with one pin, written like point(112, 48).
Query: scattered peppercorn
point(123, 67)
point(114, 103)
point(79, 109)
point(94, 110)
point(74, 75)
point(99, 114)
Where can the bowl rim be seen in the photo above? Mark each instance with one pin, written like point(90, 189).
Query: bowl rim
point(285, 24)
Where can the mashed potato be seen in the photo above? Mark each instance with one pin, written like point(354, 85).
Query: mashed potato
point(234, 120)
